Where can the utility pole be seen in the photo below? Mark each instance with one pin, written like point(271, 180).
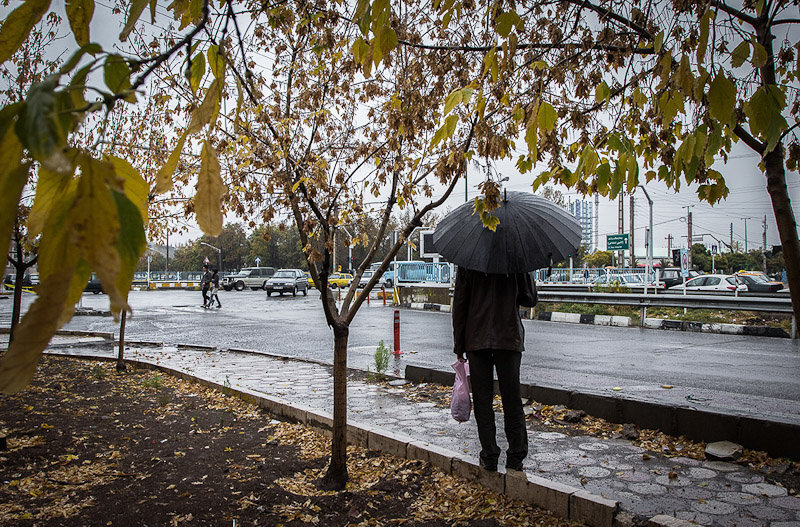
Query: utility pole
point(596, 222)
point(764, 245)
point(731, 245)
point(669, 246)
point(745, 232)
point(621, 228)
point(167, 264)
point(631, 228)
point(689, 233)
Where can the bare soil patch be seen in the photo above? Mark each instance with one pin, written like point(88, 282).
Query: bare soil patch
point(89, 446)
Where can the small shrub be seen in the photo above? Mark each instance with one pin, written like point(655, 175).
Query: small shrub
point(381, 358)
point(98, 373)
point(155, 381)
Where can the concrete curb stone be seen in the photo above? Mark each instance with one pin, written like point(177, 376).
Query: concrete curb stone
point(662, 520)
point(727, 329)
point(592, 509)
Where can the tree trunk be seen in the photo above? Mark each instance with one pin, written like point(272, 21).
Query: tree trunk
point(20, 274)
point(787, 226)
point(121, 353)
point(336, 476)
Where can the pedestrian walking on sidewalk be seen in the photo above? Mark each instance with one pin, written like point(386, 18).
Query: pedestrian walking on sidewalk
point(205, 284)
point(214, 289)
point(487, 329)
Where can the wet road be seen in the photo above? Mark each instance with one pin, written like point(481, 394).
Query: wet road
point(749, 375)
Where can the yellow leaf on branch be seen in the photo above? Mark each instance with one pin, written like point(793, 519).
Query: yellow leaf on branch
point(208, 200)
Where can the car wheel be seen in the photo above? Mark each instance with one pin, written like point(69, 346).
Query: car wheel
point(389, 283)
point(269, 293)
point(264, 286)
point(294, 292)
point(239, 286)
point(305, 291)
point(96, 292)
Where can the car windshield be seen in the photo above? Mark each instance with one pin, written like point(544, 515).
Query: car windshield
point(367, 274)
point(756, 278)
point(283, 274)
point(244, 272)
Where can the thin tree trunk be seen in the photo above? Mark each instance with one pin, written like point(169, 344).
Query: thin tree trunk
point(120, 354)
point(336, 476)
point(20, 274)
point(787, 226)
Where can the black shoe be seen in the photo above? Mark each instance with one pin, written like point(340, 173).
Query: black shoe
point(489, 466)
point(514, 465)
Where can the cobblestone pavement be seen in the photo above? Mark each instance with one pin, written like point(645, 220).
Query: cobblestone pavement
point(708, 493)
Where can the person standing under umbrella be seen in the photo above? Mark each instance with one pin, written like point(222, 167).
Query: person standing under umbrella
point(487, 329)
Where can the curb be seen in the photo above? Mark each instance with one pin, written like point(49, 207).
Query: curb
point(444, 308)
point(578, 318)
point(777, 438)
point(562, 500)
point(72, 332)
point(727, 329)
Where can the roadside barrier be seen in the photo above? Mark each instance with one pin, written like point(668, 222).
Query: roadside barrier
point(397, 333)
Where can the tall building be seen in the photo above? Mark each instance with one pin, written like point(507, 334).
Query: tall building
point(585, 212)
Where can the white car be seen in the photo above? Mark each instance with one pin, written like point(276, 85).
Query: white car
point(365, 278)
point(712, 282)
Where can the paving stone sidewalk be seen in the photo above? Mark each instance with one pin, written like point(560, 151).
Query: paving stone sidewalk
point(704, 492)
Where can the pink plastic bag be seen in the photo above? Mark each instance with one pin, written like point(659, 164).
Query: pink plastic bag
point(461, 405)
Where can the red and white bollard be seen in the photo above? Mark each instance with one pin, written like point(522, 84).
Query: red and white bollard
point(397, 332)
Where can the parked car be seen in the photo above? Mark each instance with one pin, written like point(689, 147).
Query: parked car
point(365, 278)
point(10, 280)
point(310, 279)
point(758, 284)
point(287, 281)
point(252, 277)
point(388, 278)
point(93, 285)
point(671, 276)
point(712, 282)
point(340, 279)
point(621, 279)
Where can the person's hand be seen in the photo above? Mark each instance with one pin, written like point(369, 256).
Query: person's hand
point(461, 357)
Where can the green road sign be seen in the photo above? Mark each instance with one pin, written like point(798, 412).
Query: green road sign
point(616, 242)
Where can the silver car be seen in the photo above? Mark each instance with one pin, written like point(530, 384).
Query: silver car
point(287, 281)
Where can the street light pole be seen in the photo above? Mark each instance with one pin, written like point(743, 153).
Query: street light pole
point(649, 234)
point(219, 253)
point(349, 249)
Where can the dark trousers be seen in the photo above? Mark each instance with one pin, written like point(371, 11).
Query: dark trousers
point(481, 371)
point(205, 295)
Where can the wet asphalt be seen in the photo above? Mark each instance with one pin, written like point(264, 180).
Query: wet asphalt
point(726, 373)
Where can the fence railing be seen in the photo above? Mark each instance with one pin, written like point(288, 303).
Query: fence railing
point(419, 272)
point(168, 276)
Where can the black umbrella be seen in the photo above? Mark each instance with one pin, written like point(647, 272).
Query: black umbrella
point(533, 233)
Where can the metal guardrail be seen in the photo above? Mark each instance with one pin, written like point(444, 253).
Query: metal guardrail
point(416, 273)
point(694, 301)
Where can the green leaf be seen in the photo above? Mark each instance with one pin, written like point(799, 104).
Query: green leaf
point(207, 111)
point(137, 6)
point(764, 111)
point(79, 13)
point(208, 200)
point(740, 54)
point(37, 327)
point(43, 124)
point(91, 48)
point(450, 126)
point(759, 55)
point(18, 25)
point(197, 71)
point(131, 242)
point(13, 175)
point(451, 101)
point(602, 92)
point(702, 42)
point(164, 176)
point(659, 42)
point(466, 95)
point(722, 99)
point(603, 173)
point(134, 185)
point(51, 188)
point(216, 61)
point(117, 74)
point(505, 22)
point(547, 116)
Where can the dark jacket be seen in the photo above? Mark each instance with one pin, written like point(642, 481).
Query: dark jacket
point(486, 310)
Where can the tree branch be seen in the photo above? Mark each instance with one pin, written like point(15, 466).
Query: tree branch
point(735, 13)
point(749, 140)
point(544, 46)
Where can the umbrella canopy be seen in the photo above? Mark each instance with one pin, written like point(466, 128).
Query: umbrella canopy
point(533, 233)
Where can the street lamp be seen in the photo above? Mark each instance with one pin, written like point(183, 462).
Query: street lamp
point(649, 234)
point(219, 253)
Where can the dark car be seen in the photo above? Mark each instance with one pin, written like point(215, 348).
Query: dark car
point(287, 281)
point(671, 276)
point(11, 280)
point(757, 284)
point(94, 285)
